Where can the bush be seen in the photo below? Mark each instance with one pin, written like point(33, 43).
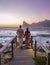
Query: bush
point(40, 60)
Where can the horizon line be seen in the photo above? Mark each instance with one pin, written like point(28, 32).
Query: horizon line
point(16, 25)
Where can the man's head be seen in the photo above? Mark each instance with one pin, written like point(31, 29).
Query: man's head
point(20, 26)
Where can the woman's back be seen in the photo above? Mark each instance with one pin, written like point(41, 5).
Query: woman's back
point(27, 34)
point(27, 37)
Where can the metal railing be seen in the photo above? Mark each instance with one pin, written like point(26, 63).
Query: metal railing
point(14, 39)
point(35, 48)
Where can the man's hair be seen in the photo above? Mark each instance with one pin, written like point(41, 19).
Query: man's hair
point(20, 26)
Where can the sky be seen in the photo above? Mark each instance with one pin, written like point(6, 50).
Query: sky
point(17, 11)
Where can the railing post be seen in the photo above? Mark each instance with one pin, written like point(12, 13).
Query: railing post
point(31, 42)
point(48, 59)
point(0, 59)
point(12, 50)
point(16, 41)
point(35, 47)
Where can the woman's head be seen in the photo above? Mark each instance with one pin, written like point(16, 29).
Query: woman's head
point(27, 29)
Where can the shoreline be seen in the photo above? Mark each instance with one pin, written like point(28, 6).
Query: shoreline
point(30, 28)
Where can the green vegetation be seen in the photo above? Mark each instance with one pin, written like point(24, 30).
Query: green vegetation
point(40, 60)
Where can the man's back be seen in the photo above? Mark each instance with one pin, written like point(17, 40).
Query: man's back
point(20, 32)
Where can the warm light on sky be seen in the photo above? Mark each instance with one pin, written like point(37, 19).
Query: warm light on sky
point(17, 11)
point(8, 18)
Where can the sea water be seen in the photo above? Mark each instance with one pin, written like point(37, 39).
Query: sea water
point(5, 35)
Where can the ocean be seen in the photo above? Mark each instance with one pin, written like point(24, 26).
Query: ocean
point(5, 35)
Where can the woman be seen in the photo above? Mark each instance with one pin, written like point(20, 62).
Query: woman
point(27, 37)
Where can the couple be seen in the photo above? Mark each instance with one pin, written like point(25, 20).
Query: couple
point(21, 35)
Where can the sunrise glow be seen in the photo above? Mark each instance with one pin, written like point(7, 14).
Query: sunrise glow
point(14, 12)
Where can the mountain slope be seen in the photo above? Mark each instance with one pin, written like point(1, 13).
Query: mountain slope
point(45, 23)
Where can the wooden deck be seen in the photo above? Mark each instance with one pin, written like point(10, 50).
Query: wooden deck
point(22, 57)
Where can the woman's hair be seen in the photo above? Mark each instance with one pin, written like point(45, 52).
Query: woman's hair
point(27, 29)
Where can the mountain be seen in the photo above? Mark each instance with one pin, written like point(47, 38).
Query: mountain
point(45, 23)
point(25, 24)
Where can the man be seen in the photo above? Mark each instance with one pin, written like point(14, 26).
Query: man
point(20, 34)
